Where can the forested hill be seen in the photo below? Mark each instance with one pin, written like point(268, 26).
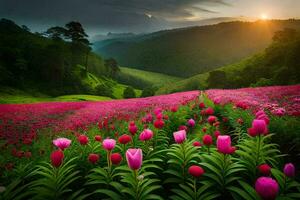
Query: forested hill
point(189, 51)
point(48, 63)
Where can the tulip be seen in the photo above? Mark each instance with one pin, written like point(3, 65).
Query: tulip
point(179, 136)
point(109, 144)
point(174, 108)
point(223, 143)
point(201, 105)
point(147, 134)
point(289, 170)
point(196, 171)
point(62, 143)
point(57, 158)
point(98, 138)
point(124, 139)
point(134, 158)
point(116, 158)
point(264, 169)
point(217, 133)
point(267, 188)
point(132, 128)
point(207, 140)
point(258, 127)
point(83, 139)
point(211, 119)
point(93, 158)
point(159, 124)
point(196, 144)
point(209, 111)
point(191, 123)
point(182, 127)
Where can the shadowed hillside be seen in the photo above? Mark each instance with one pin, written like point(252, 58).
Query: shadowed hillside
point(189, 51)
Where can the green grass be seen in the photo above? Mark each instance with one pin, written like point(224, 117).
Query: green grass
point(152, 78)
point(118, 89)
point(13, 96)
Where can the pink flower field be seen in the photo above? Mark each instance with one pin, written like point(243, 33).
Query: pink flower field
point(277, 99)
point(26, 119)
point(182, 146)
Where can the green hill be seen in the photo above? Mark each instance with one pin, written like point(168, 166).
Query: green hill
point(278, 64)
point(190, 51)
point(142, 79)
point(52, 66)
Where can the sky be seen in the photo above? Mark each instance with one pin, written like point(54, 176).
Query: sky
point(141, 16)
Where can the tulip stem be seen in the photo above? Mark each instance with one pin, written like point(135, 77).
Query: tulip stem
point(258, 150)
point(195, 189)
point(108, 161)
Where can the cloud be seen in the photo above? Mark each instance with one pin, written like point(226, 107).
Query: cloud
point(109, 15)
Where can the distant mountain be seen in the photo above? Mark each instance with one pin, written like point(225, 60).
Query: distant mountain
point(278, 64)
point(110, 35)
point(189, 51)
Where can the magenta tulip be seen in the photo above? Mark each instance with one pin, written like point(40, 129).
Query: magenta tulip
point(62, 143)
point(224, 144)
point(259, 127)
point(289, 170)
point(134, 158)
point(109, 144)
point(147, 134)
point(179, 136)
point(267, 188)
point(191, 123)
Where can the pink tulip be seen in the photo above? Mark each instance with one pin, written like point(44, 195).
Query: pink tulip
point(147, 134)
point(134, 158)
point(62, 143)
point(109, 144)
point(179, 136)
point(224, 144)
point(259, 126)
point(191, 123)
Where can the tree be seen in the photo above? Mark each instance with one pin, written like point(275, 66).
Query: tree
point(77, 35)
point(56, 33)
point(129, 92)
point(112, 67)
point(147, 92)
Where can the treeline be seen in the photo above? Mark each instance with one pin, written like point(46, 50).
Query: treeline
point(279, 64)
point(55, 62)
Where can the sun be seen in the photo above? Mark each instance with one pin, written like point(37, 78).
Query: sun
point(264, 16)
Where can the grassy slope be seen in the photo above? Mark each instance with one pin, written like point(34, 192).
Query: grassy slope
point(200, 81)
point(152, 77)
point(9, 95)
point(117, 90)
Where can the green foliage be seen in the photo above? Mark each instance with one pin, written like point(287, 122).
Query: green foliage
point(256, 151)
point(147, 92)
point(129, 93)
point(181, 156)
point(222, 172)
point(55, 183)
point(104, 90)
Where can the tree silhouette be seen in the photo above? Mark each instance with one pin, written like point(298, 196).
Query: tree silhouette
point(77, 35)
point(112, 67)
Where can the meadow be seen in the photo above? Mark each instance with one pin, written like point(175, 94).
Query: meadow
point(214, 144)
